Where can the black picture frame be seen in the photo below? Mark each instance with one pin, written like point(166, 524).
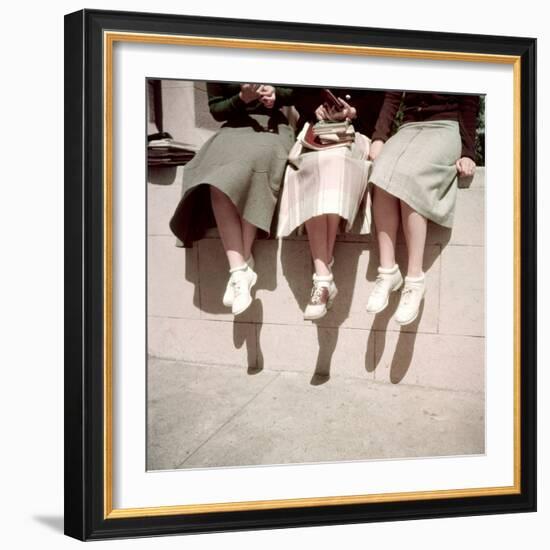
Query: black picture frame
point(85, 517)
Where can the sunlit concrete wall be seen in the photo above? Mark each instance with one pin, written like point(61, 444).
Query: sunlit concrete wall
point(444, 348)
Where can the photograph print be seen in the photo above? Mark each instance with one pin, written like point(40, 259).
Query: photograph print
point(315, 274)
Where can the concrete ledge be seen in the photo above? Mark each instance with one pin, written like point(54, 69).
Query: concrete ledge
point(207, 342)
point(462, 308)
point(188, 322)
point(430, 360)
point(189, 283)
point(418, 359)
point(321, 352)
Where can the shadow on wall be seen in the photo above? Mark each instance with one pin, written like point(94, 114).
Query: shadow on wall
point(345, 272)
point(208, 258)
point(206, 270)
point(209, 286)
point(161, 175)
point(404, 350)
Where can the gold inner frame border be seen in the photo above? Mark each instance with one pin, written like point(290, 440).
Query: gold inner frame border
point(109, 39)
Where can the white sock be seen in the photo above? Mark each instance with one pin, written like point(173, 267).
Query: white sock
point(242, 268)
point(416, 279)
point(388, 270)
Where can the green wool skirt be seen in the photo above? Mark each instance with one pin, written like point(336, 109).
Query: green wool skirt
point(246, 161)
point(417, 165)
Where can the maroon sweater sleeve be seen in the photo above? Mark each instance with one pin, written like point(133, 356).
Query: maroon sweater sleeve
point(468, 107)
point(383, 127)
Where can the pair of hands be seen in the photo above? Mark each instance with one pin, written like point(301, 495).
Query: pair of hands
point(261, 92)
point(465, 166)
point(335, 114)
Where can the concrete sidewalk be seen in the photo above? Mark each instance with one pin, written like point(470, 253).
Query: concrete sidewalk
point(213, 416)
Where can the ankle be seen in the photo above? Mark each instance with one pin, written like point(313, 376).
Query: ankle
point(237, 268)
point(415, 277)
point(386, 263)
point(321, 268)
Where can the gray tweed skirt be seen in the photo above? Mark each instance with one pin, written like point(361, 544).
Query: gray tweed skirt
point(417, 165)
point(246, 162)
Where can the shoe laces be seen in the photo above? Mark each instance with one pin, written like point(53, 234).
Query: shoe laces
point(379, 285)
point(317, 293)
point(407, 293)
point(239, 285)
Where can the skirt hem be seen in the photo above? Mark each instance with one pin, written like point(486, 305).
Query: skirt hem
point(399, 192)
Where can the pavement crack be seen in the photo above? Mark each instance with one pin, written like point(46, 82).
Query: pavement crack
point(230, 419)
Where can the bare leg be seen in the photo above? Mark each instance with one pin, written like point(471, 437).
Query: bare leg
point(249, 235)
point(228, 221)
point(317, 235)
point(414, 227)
point(386, 218)
point(333, 221)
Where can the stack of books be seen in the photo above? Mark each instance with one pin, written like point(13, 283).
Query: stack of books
point(325, 134)
point(332, 132)
point(163, 150)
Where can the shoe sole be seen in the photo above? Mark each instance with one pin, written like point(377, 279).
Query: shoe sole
point(251, 299)
point(315, 317)
point(387, 301)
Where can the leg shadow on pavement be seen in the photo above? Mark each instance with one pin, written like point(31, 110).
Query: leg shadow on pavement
point(377, 334)
point(403, 353)
point(327, 344)
point(346, 260)
point(404, 350)
point(258, 365)
point(247, 334)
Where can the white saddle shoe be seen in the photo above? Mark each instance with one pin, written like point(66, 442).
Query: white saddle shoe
point(411, 297)
point(388, 280)
point(322, 296)
point(242, 280)
point(228, 295)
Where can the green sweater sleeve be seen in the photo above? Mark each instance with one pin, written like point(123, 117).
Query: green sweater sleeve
point(224, 101)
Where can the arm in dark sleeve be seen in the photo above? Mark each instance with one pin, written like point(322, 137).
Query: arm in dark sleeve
point(382, 129)
point(468, 107)
point(222, 106)
point(306, 100)
point(368, 105)
point(284, 96)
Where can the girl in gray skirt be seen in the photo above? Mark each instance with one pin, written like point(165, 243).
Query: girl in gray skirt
point(414, 179)
point(233, 182)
